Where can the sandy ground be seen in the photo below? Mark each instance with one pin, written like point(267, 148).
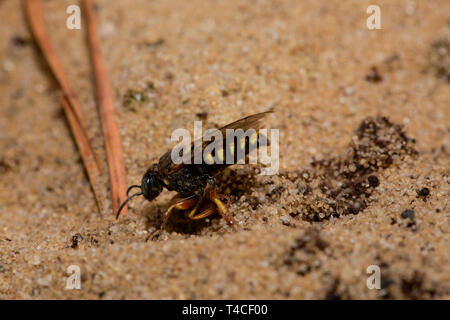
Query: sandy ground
point(355, 189)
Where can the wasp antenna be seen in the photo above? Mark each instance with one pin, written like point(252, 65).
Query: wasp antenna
point(132, 187)
point(125, 202)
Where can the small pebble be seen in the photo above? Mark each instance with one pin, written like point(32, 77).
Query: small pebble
point(424, 192)
point(373, 181)
point(408, 214)
point(285, 220)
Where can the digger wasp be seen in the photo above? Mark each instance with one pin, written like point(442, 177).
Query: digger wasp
point(195, 183)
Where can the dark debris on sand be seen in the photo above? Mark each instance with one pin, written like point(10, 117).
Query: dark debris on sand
point(330, 187)
point(439, 59)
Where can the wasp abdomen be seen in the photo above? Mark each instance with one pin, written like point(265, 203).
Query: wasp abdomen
point(237, 148)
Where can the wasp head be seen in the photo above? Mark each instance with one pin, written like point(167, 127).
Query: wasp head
point(151, 187)
point(151, 183)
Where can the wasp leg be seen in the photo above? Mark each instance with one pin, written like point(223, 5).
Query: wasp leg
point(205, 213)
point(222, 208)
point(193, 211)
point(182, 204)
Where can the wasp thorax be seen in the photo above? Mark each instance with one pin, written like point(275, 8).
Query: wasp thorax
point(151, 184)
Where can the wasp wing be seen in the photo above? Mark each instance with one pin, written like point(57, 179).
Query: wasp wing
point(254, 122)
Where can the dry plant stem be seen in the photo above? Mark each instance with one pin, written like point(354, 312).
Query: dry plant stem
point(70, 103)
point(87, 153)
point(107, 112)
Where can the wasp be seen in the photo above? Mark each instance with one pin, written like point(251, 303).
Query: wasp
point(195, 183)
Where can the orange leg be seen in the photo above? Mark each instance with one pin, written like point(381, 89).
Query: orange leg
point(221, 207)
point(205, 213)
point(182, 204)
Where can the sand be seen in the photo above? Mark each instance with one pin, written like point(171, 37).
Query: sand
point(364, 151)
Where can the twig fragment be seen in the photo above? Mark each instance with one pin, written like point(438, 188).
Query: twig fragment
point(70, 103)
point(107, 112)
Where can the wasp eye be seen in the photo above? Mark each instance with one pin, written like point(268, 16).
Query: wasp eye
point(151, 185)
